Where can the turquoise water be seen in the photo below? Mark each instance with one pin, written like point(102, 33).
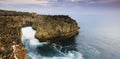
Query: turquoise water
point(99, 38)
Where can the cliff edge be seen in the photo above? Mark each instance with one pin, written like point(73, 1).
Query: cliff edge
point(50, 28)
point(55, 28)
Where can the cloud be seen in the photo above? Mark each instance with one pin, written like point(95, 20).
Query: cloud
point(95, 1)
point(75, 0)
point(40, 2)
point(60, 3)
point(3, 0)
point(108, 1)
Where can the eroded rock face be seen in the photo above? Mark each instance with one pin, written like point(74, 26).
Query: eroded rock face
point(48, 28)
point(19, 52)
point(10, 35)
point(55, 28)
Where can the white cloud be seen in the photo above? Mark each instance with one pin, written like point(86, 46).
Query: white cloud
point(95, 1)
point(75, 0)
point(40, 2)
point(58, 2)
point(107, 1)
point(79, 0)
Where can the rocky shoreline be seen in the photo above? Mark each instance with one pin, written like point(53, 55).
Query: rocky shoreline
point(50, 28)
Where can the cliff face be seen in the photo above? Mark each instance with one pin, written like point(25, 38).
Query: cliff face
point(55, 28)
point(10, 38)
point(48, 28)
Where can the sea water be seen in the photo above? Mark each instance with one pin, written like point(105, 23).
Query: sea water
point(99, 38)
point(46, 50)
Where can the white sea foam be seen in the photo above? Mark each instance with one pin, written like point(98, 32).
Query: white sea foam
point(31, 44)
point(70, 55)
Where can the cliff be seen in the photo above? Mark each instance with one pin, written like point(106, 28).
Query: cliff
point(50, 28)
point(10, 38)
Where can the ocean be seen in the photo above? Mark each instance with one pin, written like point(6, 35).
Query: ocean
point(99, 38)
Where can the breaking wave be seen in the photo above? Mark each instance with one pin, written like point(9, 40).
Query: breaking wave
point(46, 50)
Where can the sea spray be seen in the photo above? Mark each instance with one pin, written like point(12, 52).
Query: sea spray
point(45, 50)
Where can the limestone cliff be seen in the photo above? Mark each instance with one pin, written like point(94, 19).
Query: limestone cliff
point(48, 28)
point(10, 38)
point(55, 28)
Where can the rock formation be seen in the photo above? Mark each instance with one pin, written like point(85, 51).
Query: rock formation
point(55, 28)
point(10, 38)
point(50, 28)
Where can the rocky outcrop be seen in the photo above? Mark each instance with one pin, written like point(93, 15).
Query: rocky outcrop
point(10, 38)
point(48, 28)
point(55, 28)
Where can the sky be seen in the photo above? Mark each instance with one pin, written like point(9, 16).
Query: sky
point(87, 13)
point(63, 6)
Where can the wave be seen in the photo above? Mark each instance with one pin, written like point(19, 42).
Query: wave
point(46, 50)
